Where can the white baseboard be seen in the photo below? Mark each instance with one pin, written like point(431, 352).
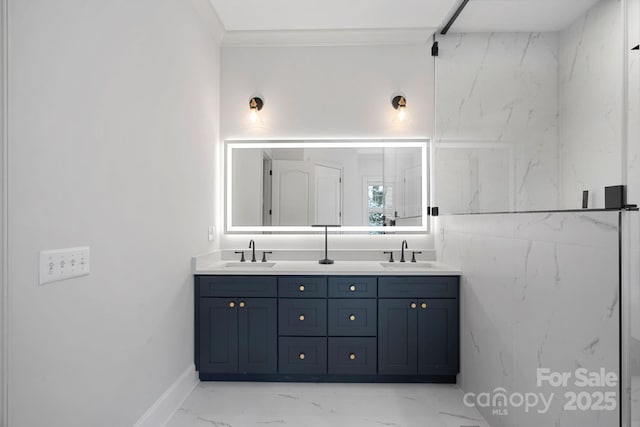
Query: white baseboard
point(163, 409)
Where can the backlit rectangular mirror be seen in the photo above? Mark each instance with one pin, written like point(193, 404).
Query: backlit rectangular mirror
point(370, 186)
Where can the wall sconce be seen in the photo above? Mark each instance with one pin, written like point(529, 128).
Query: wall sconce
point(255, 105)
point(399, 102)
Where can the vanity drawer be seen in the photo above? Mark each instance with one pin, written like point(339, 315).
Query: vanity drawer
point(353, 317)
point(237, 286)
point(418, 287)
point(302, 317)
point(353, 287)
point(352, 356)
point(302, 356)
point(302, 287)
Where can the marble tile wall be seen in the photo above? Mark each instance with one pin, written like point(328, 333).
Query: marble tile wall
point(538, 290)
point(496, 122)
point(527, 121)
point(633, 87)
point(633, 170)
point(590, 105)
point(633, 196)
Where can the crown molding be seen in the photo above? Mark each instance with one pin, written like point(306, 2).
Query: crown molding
point(212, 21)
point(293, 38)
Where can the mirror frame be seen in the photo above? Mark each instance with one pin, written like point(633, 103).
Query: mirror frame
point(233, 144)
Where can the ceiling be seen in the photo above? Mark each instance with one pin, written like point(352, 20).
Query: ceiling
point(252, 15)
point(520, 15)
point(479, 15)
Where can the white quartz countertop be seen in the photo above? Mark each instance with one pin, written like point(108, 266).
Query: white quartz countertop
point(360, 268)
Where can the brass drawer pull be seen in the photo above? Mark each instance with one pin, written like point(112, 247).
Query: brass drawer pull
point(301, 288)
point(352, 288)
point(352, 317)
point(301, 317)
point(423, 305)
point(413, 305)
point(232, 304)
point(301, 356)
point(241, 304)
point(352, 356)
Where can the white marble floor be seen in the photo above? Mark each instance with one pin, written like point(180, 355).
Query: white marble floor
point(238, 404)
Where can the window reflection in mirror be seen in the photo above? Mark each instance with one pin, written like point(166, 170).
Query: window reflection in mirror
point(360, 185)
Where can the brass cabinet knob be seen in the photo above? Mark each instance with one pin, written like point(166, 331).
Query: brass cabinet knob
point(241, 304)
point(232, 304)
point(423, 305)
point(352, 288)
point(301, 317)
point(301, 356)
point(352, 356)
point(301, 287)
point(352, 317)
point(413, 305)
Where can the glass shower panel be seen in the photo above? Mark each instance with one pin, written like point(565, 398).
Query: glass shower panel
point(529, 120)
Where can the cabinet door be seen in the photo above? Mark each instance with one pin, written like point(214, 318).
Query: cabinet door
point(257, 336)
point(397, 337)
point(438, 346)
point(218, 335)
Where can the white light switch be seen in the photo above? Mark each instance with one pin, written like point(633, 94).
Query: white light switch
point(60, 264)
point(212, 233)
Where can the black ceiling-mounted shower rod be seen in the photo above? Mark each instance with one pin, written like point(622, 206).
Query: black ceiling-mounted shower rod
point(454, 17)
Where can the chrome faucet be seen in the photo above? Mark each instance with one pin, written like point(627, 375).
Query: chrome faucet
point(402, 248)
point(252, 245)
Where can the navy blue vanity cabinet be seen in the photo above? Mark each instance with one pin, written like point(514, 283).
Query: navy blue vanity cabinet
point(418, 335)
point(218, 325)
point(302, 325)
point(438, 337)
point(327, 328)
point(398, 337)
point(236, 334)
point(353, 325)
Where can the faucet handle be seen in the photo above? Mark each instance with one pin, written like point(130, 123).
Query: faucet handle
point(264, 255)
point(241, 258)
point(413, 255)
point(390, 256)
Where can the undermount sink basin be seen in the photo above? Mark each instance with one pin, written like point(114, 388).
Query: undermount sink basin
point(406, 265)
point(243, 265)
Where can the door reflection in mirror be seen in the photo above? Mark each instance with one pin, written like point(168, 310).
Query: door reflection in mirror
point(363, 184)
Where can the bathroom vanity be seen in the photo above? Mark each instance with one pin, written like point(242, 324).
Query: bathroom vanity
point(396, 324)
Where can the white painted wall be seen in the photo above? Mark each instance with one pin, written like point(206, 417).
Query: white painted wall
point(113, 132)
point(326, 92)
point(590, 105)
point(3, 218)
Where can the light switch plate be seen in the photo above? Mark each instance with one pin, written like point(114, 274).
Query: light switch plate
point(212, 233)
point(60, 264)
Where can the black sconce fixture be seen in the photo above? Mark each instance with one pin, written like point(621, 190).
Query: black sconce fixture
point(399, 103)
point(255, 104)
